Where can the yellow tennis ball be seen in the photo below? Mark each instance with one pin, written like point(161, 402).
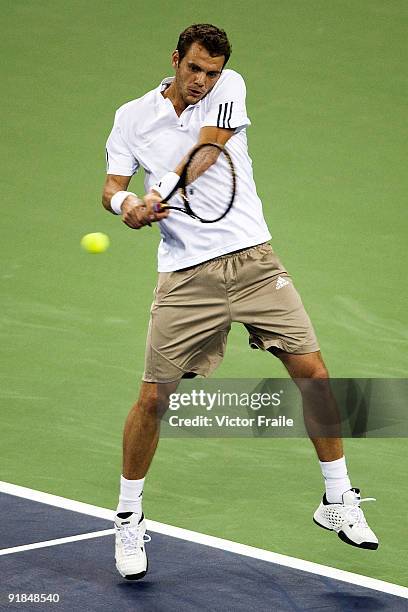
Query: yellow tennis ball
point(95, 243)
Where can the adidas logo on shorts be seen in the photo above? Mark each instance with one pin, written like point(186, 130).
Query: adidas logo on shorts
point(281, 282)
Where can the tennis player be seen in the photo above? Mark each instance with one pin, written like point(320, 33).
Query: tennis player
point(209, 276)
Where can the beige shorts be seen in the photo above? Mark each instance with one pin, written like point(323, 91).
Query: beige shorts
point(193, 309)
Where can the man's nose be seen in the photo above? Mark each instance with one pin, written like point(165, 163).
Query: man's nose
point(200, 79)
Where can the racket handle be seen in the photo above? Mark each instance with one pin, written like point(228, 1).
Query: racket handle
point(159, 207)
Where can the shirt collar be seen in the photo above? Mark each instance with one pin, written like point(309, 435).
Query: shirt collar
point(164, 84)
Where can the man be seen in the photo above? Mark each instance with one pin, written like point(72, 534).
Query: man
point(209, 275)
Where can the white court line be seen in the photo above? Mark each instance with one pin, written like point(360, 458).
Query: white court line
point(207, 540)
point(75, 538)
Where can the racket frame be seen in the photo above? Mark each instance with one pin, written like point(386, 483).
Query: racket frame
point(181, 185)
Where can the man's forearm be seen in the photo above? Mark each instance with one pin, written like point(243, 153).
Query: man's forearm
point(202, 162)
point(106, 198)
point(111, 187)
point(204, 159)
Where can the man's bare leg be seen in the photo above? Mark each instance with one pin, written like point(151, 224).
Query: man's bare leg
point(322, 418)
point(311, 366)
point(339, 510)
point(141, 433)
point(140, 439)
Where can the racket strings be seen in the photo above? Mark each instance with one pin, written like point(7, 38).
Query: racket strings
point(210, 183)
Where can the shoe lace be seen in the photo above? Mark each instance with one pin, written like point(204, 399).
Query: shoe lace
point(355, 515)
point(131, 538)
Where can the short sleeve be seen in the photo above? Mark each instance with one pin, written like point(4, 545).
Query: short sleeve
point(119, 158)
point(227, 107)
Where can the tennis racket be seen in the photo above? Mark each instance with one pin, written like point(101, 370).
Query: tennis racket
point(207, 185)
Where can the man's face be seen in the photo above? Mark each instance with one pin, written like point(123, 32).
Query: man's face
point(196, 73)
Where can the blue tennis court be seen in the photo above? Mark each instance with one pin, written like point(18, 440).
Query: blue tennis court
point(183, 575)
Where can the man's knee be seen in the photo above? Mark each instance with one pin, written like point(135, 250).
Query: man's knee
point(314, 366)
point(154, 397)
point(148, 397)
point(312, 377)
point(308, 365)
point(319, 371)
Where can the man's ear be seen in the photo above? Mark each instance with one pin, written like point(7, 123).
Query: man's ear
point(175, 59)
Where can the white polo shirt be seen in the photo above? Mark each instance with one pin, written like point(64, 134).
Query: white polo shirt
point(148, 133)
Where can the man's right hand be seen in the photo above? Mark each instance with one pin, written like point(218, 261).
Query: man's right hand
point(137, 213)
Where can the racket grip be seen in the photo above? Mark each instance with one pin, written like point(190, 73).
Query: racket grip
point(157, 208)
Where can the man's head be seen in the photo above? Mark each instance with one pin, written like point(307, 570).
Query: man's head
point(201, 54)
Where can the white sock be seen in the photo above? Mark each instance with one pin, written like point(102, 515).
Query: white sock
point(130, 496)
point(336, 479)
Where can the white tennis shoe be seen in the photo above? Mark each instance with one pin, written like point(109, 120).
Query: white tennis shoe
point(130, 539)
point(347, 520)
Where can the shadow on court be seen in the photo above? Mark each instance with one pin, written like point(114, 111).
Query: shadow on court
point(183, 576)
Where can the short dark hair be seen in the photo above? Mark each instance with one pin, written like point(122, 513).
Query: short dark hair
point(212, 38)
